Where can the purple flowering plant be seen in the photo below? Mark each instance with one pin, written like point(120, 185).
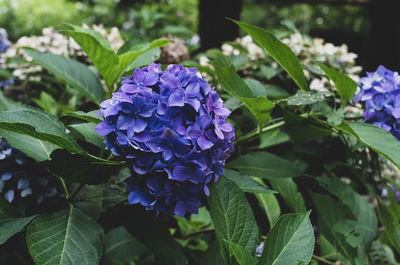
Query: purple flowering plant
point(171, 128)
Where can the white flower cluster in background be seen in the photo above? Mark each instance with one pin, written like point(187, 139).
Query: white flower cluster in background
point(51, 41)
point(255, 51)
point(338, 57)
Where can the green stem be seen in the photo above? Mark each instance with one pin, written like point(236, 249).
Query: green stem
point(75, 192)
point(323, 260)
point(64, 187)
point(259, 131)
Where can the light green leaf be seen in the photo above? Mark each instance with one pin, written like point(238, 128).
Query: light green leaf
point(246, 183)
point(288, 189)
point(231, 82)
point(375, 138)
point(233, 218)
point(32, 147)
point(86, 116)
point(290, 241)
point(66, 237)
point(242, 256)
point(81, 168)
point(307, 98)
point(87, 132)
point(272, 138)
point(74, 73)
point(269, 203)
point(121, 246)
point(265, 165)
point(256, 87)
point(11, 226)
point(279, 51)
point(344, 84)
point(381, 254)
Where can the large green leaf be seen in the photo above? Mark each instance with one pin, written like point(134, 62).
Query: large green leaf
point(32, 147)
point(265, 165)
point(74, 73)
point(288, 189)
point(329, 213)
point(231, 82)
point(307, 98)
point(87, 132)
point(11, 226)
point(391, 225)
point(67, 237)
point(121, 246)
point(81, 168)
point(359, 206)
point(344, 84)
point(269, 204)
point(381, 254)
point(233, 218)
point(246, 183)
point(242, 256)
point(40, 125)
point(290, 241)
point(375, 138)
point(279, 51)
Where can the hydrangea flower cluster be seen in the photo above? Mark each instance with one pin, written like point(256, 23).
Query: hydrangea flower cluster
point(4, 42)
point(380, 91)
point(17, 177)
point(171, 127)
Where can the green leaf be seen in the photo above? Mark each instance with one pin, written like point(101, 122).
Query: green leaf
point(375, 138)
point(32, 147)
point(243, 257)
point(233, 218)
point(11, 226)
point(279, 51)
point(290, 241)
point(391, 227)
point(269, 203)
point(359, 206)
point(256, 87)
point(74, 73)
point(272, 138)
point(121, 246)
point(81, 168)
point(344, 84)
point(65, 237)
point(40, 125)
point(287, 188)
point(352, 230)
point(381, 254)
point(330, 212)
point(231, 82)
point(246, 183)
point(265, 165)
point(86, 116)
point(307, 98)
point(87, 132)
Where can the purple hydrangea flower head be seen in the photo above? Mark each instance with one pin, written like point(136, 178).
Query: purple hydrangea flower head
point(380, 91)
point(4, 42)
point(171, 128)
point(20, 180)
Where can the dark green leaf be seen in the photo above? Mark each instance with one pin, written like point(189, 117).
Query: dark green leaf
point(344, 84)
point(246, 183)
point(265, 165)
point(279, 51)
point(11, 226)
point(81, 168)
point(121, 246)
point(242, 256)
point(290, 241)
point(375, 138)
point(65, 237)
point(287, 188)
point(74, 73)
point(391, 226)
point(233, 218)
point(306, 98)
point(231, 82)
